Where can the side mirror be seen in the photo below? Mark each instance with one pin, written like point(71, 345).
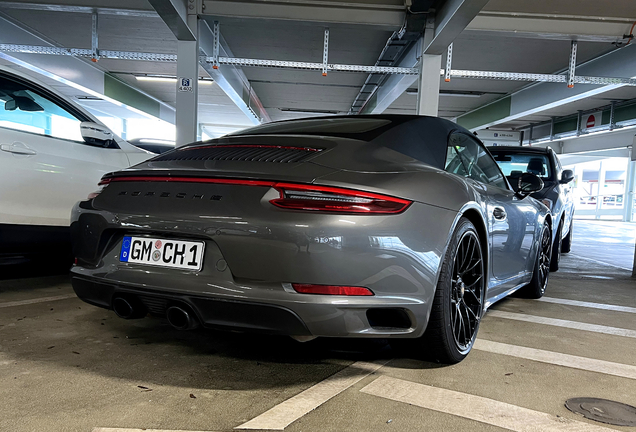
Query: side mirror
point(567, 176)
point(97, 134)
point(528, 183)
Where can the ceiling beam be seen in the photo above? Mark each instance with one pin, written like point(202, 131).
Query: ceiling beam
point(175, 14)
point(230, 79)
point(540, 97)
point(18, 5)
point(387, 14)
point(534, 26)
point(394, 85)
point(445, 26)
point(606, 140)
point(452, 18)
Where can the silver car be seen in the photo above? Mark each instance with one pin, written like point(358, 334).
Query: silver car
point(399, 227)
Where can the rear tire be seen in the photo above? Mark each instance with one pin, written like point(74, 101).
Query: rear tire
point(556, 249)
point(458, 304)
point(566, 246)
point(536, 288)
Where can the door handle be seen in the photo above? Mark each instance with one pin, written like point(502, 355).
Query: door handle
point(18, 149)
point(499, 213)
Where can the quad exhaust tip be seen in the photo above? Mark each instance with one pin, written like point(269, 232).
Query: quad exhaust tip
point(181, 318)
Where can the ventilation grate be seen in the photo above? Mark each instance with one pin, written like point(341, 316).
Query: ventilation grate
point(243, 153)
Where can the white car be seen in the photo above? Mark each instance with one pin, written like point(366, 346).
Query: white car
point(52, 154)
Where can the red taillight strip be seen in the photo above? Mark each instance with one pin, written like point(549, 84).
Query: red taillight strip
point(281, 187)
point(307, 149)
point(340, 191)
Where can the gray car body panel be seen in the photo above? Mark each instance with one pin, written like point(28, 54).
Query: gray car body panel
point(266, 248)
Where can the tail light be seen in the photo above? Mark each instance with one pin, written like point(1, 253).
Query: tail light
point(332, 290)
point(102, 184)
point(294, 196)
point(330, 199)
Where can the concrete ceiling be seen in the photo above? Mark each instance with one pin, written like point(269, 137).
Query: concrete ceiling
point(293, 93)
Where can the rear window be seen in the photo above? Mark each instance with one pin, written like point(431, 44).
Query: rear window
point(515, 164)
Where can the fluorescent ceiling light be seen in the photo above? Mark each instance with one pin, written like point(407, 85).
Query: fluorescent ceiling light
point(168, 79)
point(308, 111)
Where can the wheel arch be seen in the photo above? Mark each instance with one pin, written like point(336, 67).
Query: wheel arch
point(474, 213)
point(476, 218)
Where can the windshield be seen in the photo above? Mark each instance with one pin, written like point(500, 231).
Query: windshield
point(515, 164)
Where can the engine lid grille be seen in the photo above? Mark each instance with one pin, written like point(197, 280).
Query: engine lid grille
point(241, 152)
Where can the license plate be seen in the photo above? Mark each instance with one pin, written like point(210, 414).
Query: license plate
point(179, 254)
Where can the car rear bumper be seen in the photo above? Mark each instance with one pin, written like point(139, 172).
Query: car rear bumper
point(211, 313)
point(303, 315)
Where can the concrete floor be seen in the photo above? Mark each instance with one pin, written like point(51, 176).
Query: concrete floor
point(605, 241)
point(68, 366)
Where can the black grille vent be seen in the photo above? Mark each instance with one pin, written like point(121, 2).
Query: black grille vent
point(154, 305)
point(244, 153)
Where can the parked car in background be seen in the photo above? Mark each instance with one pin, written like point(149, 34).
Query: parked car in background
point(556, 194)
point(52, 152)
point(386, 226)
point(153, 145)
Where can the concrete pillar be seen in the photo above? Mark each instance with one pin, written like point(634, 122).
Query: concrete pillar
point(124, 129)
point(187, 86)
point(599, 190)
point(429, 79)
point(628, 195)
point(428, 85)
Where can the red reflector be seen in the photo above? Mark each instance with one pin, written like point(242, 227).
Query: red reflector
point(332, 290)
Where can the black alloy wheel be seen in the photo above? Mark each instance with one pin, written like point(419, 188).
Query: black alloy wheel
point(459, 298)
point(466, 291)
point(536, 288)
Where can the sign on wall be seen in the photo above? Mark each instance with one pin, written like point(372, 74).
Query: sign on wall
point(499, 138)
point(591, 120)
point(185, 85)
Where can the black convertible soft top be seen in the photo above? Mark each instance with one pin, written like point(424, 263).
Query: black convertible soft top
point(421, 137)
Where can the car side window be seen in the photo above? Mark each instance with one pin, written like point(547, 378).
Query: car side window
point(25, 109)
point(467, 158)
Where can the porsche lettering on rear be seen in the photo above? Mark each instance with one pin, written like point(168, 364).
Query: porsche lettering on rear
point(180, 195)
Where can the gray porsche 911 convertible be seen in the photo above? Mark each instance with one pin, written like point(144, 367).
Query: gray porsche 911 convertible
point(347, 226)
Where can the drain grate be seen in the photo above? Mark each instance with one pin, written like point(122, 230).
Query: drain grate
point(603, 410)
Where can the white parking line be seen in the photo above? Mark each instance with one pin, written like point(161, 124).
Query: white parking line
point(572, 361)
point(285, 413)
point(588, 304)
point(599, 262)
point(103, 429)
point(37, 300)
point(563, 323)
point(476, 408)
